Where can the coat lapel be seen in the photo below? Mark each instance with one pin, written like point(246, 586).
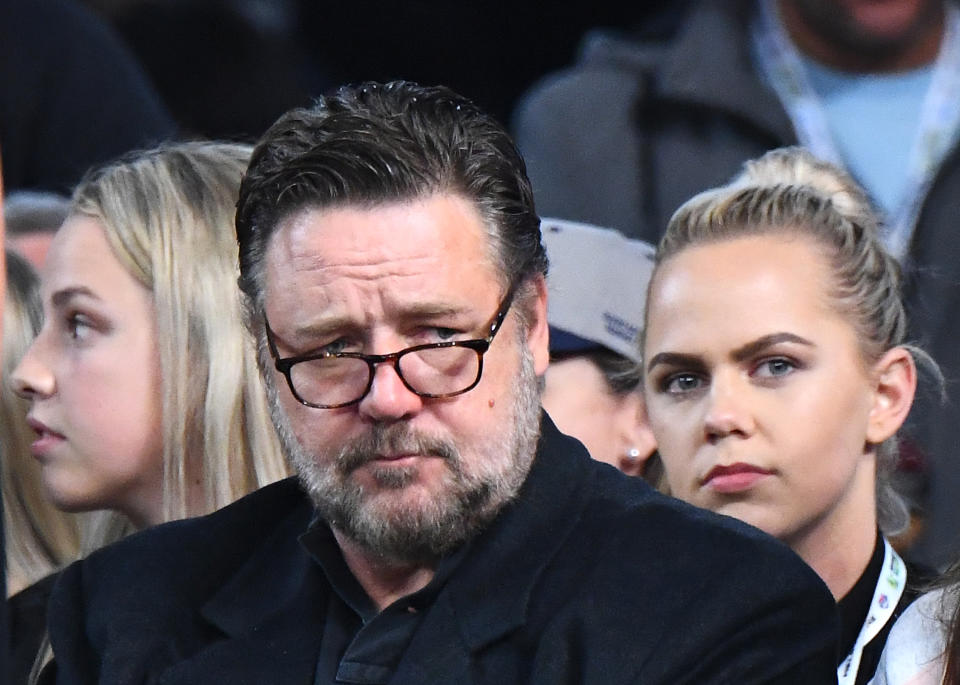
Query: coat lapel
point(271, 613)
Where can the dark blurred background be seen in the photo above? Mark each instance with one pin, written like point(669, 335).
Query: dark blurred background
point(229, 68)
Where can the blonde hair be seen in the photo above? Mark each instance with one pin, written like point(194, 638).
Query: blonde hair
point(38, 537)
point(168, 216)
point(789, 192)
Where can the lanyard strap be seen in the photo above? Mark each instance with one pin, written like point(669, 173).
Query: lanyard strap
point(886, 596)
point(939, 115)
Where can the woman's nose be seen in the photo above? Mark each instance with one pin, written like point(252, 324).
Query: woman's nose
point(728, 412)
point(32, 379)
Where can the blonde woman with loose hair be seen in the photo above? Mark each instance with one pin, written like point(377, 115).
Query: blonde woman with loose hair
point(777, 374)
point(39, 538)
point(162, 222)
point(146, 401)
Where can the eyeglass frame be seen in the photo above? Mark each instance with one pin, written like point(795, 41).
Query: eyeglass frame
point(478, 345)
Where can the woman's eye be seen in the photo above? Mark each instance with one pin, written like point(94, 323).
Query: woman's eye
point(78, 326)
point(772, 368)
point(680, 383)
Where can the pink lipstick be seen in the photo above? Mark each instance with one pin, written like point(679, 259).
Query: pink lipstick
point(734, 478)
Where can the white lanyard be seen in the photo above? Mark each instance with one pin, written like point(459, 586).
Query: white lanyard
point(886, 596)
point(939, 115)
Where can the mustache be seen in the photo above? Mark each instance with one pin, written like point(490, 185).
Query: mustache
point(392, 439)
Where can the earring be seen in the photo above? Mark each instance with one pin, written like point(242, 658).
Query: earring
point(633, 453)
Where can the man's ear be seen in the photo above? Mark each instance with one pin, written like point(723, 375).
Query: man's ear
point(538, 331)
point(895, 382)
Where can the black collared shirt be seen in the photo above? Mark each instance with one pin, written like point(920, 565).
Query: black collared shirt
point(360, 645)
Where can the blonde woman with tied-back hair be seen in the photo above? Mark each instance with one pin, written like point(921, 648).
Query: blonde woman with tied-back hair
point(777, 375)
point(147, 404)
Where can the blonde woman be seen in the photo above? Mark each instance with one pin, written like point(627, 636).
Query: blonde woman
point(38, 538)
point(146, 401)
point(777, 376)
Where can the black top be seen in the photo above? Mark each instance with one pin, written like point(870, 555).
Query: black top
point(854, 607)
point(361, 645)
point(28, 626)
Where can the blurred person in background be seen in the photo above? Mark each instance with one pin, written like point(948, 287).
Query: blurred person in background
point(32, 218)
point(597, 286)
point(71, 95)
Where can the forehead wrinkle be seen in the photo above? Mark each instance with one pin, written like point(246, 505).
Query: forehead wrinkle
point(381, 297)
point(367, 269)
point(298, 234)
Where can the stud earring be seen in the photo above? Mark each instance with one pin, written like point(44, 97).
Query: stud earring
point(633, 453)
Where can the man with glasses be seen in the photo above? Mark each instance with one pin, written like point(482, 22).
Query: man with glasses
point(441, 529)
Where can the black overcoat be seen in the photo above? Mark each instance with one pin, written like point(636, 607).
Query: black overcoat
point(588, 577)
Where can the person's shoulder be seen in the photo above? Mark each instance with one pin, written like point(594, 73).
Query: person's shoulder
point(928, 612)
point(925, 619)
point(177, 550)
point(684, 537)
point(696, 597)
point(610, 69)
point(914, 649)
point(145, 595)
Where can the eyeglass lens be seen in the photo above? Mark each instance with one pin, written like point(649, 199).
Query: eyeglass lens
point(432, 371)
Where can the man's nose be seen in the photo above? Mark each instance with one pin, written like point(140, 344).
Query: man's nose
point(728, 410)
point(389, 399)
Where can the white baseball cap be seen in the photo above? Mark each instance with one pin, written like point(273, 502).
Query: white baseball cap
point(597, 287)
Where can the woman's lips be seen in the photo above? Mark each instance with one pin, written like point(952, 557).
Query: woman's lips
point(734, 478)
point(47, 438)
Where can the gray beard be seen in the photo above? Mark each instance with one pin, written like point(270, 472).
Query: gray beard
point(471, 496)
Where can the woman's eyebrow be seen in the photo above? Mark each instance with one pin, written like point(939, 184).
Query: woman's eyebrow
point(740, 354)
point(64, 295)
point(752, 348)
point(691, 361)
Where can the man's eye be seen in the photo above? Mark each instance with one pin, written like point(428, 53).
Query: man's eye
point(445, 334)
point(335, 347)
point(680, 383)
point(773, 368)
